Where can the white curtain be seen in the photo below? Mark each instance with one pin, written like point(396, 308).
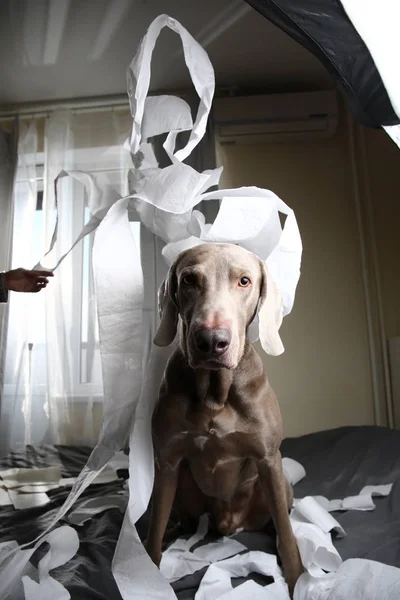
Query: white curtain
point(53, 387)
point(22, 330)
point(92, 143)
point(8, 165)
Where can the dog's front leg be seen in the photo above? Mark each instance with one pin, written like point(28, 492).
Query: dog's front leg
point(165, 483)
point(274, 486)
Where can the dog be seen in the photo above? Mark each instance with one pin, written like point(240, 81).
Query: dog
point(217, 426)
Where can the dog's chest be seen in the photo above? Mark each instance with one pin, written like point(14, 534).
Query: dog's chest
point(216, 440)
point(205, 427)
point(217, 451)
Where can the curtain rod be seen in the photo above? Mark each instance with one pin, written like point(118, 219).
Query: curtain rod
point(90, 104)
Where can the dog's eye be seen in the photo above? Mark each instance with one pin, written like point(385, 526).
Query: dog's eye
point(188, 280)
point(244, 282)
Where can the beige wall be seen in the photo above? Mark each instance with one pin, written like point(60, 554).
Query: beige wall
point(323, 379)
point(383, 182)
point(383, 167)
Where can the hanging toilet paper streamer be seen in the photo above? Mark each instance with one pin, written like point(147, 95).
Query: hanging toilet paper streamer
point(173, 116)
point(165, 199)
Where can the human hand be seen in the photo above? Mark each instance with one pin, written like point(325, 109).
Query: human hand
point(24, 280)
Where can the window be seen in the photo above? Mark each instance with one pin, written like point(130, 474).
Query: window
point(84, 377)
point(53, 381)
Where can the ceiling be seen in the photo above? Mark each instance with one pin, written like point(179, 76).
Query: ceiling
point(63, 49)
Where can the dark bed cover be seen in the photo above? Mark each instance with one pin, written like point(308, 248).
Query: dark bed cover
point(338, 463)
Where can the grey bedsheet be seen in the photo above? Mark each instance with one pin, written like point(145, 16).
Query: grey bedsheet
point(338, 463)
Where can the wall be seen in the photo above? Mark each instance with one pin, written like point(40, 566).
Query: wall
point(323, 379)
point(383, 183)
point(383, 171)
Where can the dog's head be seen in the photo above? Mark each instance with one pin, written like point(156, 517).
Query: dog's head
point(216, 290)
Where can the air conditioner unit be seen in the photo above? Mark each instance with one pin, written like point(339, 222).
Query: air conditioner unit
point(275, 118)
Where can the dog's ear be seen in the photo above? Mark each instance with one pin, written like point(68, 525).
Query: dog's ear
point(168, 310)
point(270, 314)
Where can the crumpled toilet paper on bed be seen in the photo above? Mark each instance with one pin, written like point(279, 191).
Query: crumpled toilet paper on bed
point(356, 579)
point(216, 583)
point(312, 526)
point(178, 560)
point(326, 576)
point(362, 501)
point(293, 470)
point(255, 591)
point(33, 584)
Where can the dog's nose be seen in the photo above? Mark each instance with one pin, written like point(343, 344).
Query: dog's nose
point(213, 341)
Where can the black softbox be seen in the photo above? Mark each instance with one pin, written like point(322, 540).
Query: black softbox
point(323, 27)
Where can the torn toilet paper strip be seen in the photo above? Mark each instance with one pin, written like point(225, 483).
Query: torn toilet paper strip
point(362, 501)
point(254, 591)
point(293, 470)
point(8, 552)
point(138, 78)
point(311, 526)
point(358, 579)
point(309, 510)
point(178, 560)
point(63, 544)
point(217, 579)
point(19, 580)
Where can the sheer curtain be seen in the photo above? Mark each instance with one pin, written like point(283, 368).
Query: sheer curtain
point(17, 423)
point(8, 165)
point(53, 391)
point(92, 143)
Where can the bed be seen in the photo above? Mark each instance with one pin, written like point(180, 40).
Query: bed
point(338, 463)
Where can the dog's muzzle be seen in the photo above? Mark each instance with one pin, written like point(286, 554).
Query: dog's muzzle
point(210, 345)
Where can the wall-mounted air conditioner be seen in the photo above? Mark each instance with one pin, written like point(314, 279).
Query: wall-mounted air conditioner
point(275, 117)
